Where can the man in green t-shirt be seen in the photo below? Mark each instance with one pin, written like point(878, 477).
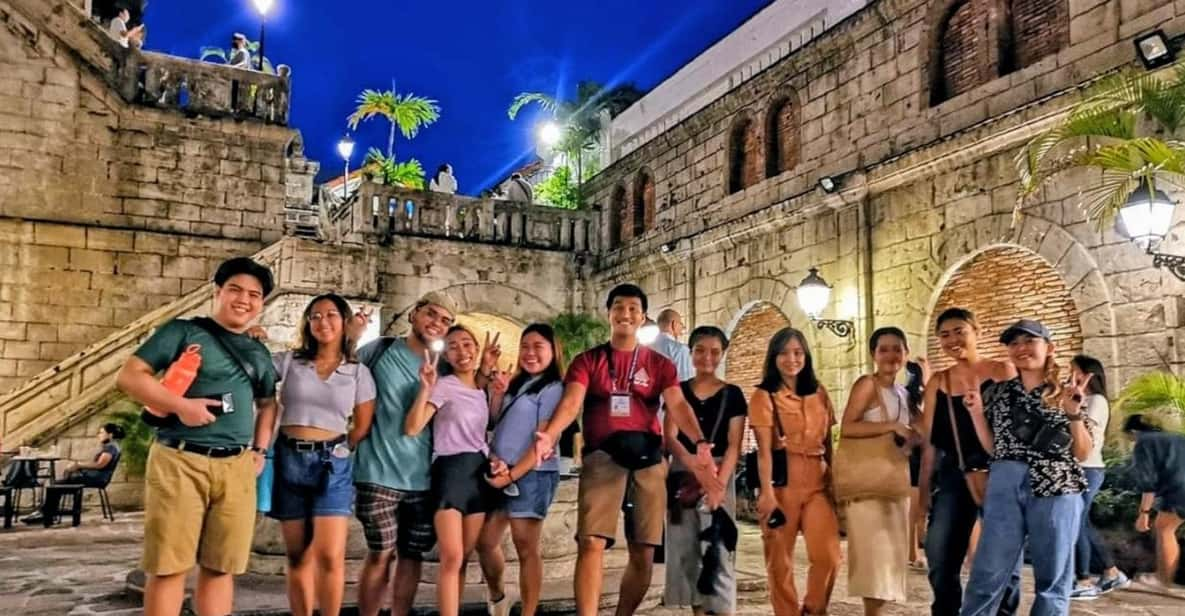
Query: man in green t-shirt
point(199, 498)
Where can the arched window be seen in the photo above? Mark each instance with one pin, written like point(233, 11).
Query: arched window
point(744, 155)
point(643, 210)
point(1035, 29)
point(782, 136)
point(617, 230)
point(959, 51)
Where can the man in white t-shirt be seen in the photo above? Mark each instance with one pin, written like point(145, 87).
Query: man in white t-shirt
point(670, 327)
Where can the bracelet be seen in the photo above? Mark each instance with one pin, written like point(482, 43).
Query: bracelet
point(259, 450)
point(702, 441)
point(1146, 511)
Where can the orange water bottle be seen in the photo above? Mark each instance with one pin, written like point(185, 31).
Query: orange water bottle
point(183, 371)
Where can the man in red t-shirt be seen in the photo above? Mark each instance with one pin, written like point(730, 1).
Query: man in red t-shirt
point(618, 386)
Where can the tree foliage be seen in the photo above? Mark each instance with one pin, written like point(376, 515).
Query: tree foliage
point(558, 190)
point(406, 112)
point(1159, 396)
point(579, 332)
point(1127, 128)
point(408, 174)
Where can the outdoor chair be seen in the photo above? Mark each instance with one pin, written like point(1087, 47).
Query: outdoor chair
point(7, 507)
point(56, 507)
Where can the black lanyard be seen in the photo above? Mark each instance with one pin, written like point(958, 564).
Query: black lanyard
point(629, 382)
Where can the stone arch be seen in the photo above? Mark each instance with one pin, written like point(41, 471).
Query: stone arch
point(488, 298)
point(783, 130)
point(1070, 260)
point(744, 154)
point(618, 231)
point(643, 203)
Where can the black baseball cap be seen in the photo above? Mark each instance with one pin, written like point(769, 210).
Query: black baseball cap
point(1027, 327)
point(245, 265)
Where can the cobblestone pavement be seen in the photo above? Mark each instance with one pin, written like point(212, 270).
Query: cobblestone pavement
point(82, 571)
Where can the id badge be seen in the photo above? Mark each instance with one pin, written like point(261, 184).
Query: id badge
point(619, 405)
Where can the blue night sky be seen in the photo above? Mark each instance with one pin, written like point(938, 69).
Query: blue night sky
point(472, 56)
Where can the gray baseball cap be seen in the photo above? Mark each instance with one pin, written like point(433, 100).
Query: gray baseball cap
point(1027, 327)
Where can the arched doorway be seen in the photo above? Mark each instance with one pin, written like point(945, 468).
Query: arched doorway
point(758, 322)
point(1003, 284)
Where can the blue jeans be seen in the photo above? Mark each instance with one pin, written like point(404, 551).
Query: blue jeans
point(952, 516)
point(1012, 514)
point(1090, 547)
point(309, 484)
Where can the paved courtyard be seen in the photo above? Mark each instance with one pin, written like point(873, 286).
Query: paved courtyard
point(84, 570)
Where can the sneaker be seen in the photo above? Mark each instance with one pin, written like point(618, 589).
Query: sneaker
point(34, 519)
point(501, 607)
point(1085, 593)
point(1119, 582)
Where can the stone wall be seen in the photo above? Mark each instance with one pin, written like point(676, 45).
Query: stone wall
point(922, 189)
point(107, 208)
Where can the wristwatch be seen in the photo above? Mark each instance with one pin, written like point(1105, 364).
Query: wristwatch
point(259, 450)
point(702, 441)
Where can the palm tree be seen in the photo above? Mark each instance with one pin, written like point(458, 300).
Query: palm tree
point(1157, 395)
point(407, 112)
point(578, 333)
point(579, 118)
point(1127, 127)
point(409, 174)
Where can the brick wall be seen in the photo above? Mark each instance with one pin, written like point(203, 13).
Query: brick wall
point(618, 232)
point(783, 137)
point(745, 161)
point(1039, 28)
point(1002, 285)
point(643, 209)
point(66, 286)
point(746, 351)
point(107, 209)
point(960, 52)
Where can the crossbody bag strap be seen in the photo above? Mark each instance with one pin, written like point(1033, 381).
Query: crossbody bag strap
point(954, 426)
point(219, 335)
point(719, 415)
point(779, 430)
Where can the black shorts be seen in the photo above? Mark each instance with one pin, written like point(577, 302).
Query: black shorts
point(458, 482)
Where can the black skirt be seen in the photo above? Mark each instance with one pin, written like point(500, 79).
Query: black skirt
point(458, 482)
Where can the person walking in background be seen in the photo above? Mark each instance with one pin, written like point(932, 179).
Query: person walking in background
point(792, 416)
point(322, 386)
point(1158, 467)
point(391, 469)
point(1090, 547)
point(1037, 434)
point(618, 385)
point(521, 409)
point(720, 410)
point(878, 528)
point(954, 461)
point(199, 499)
point(670, 330)
point(459, 412)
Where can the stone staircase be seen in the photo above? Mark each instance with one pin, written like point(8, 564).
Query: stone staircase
point(84, 383)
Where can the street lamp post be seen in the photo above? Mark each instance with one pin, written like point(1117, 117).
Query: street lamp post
point(813, 294)
point(1146, 218)
point(263, 6)
point(345, 148)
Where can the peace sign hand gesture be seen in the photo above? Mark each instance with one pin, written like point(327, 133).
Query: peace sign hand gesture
point(428, 370)
point(491, 352)
point(356, 325)
point(1074, 393)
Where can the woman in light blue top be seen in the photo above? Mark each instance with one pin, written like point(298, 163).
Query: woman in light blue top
point(322, 386)
point(523, 404)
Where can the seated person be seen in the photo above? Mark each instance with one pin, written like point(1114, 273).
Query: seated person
point(94, 474)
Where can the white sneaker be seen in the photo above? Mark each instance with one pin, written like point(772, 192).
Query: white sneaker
point(501, 607)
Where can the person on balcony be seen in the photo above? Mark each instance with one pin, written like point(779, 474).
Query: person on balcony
point(618, 386)
point(240, 55)
point(119, 30)
point(199, 499)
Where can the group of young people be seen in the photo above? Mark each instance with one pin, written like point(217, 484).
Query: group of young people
point(398, 433)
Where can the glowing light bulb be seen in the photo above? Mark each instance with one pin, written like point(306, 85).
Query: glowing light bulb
point(648, 333)
point(437, 346)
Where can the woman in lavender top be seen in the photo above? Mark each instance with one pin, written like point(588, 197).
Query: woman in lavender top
point(459, 413)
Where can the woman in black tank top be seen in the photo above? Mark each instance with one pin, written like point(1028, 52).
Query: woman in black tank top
point(946, 503)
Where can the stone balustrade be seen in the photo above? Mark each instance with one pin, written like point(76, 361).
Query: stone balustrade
point(377, 212)
point(201, 88)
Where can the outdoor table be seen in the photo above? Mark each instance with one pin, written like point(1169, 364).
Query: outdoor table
point(36, 463)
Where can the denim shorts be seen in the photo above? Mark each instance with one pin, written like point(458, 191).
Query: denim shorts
point(536, 490)
point(310, 484)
